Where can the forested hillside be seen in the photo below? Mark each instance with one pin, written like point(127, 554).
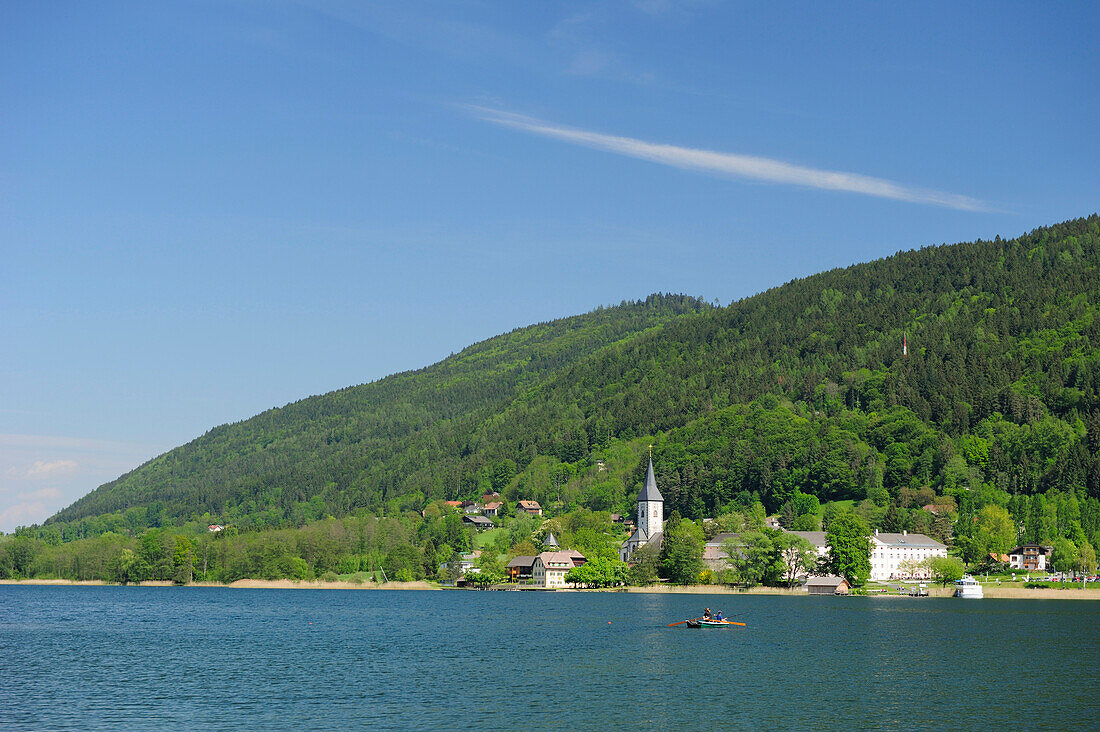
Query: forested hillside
point(802, 389)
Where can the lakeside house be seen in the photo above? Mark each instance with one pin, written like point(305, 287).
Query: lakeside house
point(531, 508)
point(549, 568)
point(827, 585)
point(1030, 557)
point(492, 508)
point(816, 539)
point(520, 568)
point(467, 563)
point(715, 556)
point(895, 556)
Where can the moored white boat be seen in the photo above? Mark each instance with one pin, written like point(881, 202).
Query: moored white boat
point(968, 587)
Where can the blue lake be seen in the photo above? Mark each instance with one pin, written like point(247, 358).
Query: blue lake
point(132, 658)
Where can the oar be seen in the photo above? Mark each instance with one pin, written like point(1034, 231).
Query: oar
point(681, 622)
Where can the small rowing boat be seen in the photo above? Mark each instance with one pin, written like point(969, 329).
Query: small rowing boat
point(701, 623)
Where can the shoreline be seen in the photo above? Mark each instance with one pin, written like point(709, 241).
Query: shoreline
point(992, 592)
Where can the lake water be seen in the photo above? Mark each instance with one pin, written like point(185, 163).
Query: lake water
point(132, 657)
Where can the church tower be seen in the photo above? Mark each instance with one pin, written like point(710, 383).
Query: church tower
point(651, 517)
point(651, 506)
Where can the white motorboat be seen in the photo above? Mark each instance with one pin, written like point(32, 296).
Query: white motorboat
point(968, 587)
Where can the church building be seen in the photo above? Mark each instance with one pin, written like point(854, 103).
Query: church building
point(651, 518)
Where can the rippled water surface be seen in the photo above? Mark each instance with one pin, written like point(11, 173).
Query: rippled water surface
point(130, 657)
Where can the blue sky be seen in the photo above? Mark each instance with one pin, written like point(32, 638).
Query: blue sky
point(211, 208)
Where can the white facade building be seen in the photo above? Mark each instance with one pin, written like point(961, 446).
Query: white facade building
point(550, 568)
point(893, 554)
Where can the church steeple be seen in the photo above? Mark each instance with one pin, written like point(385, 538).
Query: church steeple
point(650, 492)
point(651, 506)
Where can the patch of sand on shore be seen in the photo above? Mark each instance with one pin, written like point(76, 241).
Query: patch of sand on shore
point(75, 583)
point(285, 584)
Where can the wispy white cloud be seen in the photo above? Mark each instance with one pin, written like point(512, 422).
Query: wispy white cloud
point(733, 165)
point(41, 493)
point(40, 474)
point(45, 469)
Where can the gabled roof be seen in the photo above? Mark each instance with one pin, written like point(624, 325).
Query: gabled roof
point(551, 558)
point(530, 505)
point(1038, 548)
point(649, 491)
point(828, 581)
point(521, 562)
point(551, 540)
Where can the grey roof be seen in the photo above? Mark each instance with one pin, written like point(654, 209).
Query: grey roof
point(478, 520)
point(522, 561)
point(640, 537)
point(722, 538)
point(891, 539)
point(828, 581)
point(817, 538)
point(650, 492)
point(551, 540)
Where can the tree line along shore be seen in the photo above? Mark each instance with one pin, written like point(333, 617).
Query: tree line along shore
point(950, 391)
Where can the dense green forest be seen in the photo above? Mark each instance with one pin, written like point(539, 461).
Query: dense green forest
point(800, 391)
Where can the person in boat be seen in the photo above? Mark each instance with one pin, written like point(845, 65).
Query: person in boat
point(718, 616)
point(706, 614)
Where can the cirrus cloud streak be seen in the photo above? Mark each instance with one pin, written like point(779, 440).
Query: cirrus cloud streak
point(734, 165)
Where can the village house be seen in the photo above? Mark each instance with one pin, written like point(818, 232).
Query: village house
point(895, 556)
point(467, 564)
point(471, 507)
point(816, 539)
point(454, 504)
point(489, 497)
point(492, 508)
point(1030, 557)
point(478, 522)
point(531, 508)
point(715, 556)
point(215, 528)
point(549, 568)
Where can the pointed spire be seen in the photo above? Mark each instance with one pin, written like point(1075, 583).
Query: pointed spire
point(650, 492)
point(551, 540)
